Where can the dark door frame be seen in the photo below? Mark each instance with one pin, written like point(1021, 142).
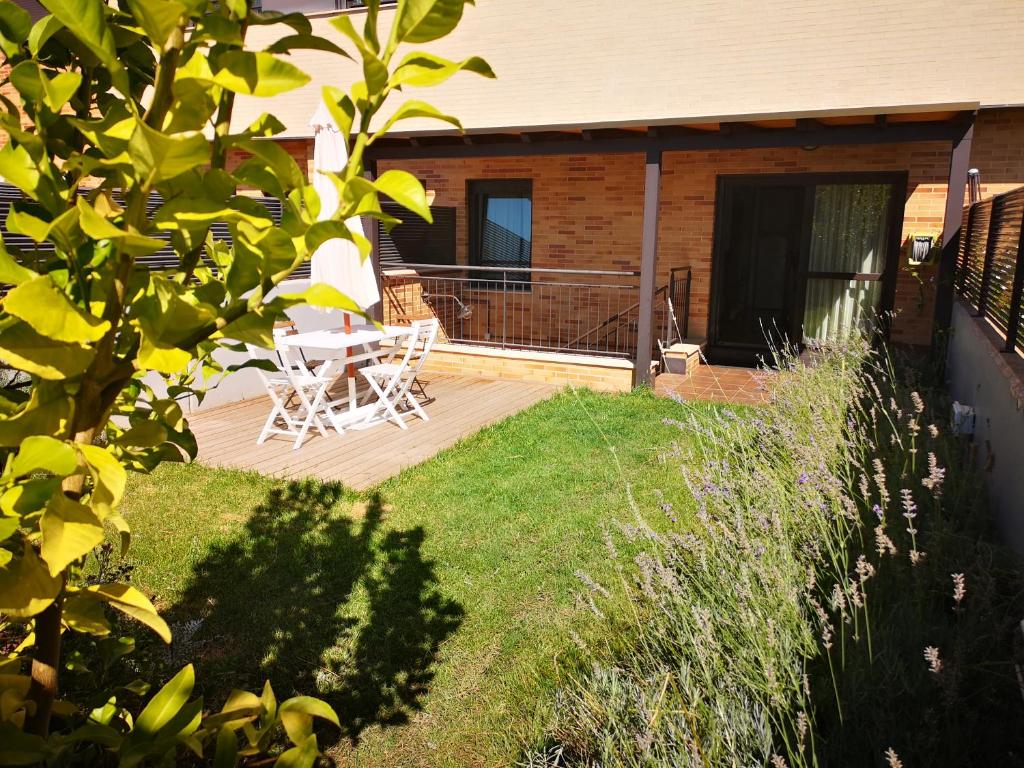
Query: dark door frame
point(898, 180)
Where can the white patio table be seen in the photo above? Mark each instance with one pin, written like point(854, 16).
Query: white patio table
point(348, 347)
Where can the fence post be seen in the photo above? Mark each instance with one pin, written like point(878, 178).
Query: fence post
point(1013, 321)
point(988, 257)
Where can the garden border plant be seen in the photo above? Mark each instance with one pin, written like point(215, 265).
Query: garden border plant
point(834, 598)
point(115, 101)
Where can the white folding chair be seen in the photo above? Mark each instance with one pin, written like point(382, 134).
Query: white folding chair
point(392, 380)
point(297, 395)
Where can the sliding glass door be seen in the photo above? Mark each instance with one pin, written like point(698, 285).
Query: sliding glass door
point(804, 258)
point(845, 271)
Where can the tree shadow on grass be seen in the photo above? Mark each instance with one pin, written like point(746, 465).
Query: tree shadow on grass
point(320, 602)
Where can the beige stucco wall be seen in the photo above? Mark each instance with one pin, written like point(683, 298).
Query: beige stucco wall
point(606, 62)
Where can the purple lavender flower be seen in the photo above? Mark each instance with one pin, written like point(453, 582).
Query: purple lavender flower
point(802, 479)
point(878, 511)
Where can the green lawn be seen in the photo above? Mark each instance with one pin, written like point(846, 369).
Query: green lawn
point(431, 612)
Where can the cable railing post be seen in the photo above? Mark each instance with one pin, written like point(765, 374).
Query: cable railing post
point(1013, 319)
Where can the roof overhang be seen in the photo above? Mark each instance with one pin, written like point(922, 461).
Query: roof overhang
point(945, 122)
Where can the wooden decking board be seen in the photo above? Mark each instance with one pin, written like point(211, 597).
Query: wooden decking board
point(334, 450)
point(457, 419)
point(360, 459)
point(354, 469)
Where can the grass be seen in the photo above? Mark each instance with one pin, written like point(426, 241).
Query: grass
point(433, 612)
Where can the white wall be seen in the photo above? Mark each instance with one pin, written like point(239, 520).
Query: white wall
point(982, 376)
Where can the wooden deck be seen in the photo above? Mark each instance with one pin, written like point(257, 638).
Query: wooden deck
point(457, 406)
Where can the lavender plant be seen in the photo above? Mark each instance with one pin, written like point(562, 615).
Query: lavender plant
point(755, 625)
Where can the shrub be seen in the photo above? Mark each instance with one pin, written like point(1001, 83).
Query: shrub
point(788, 618)
point(126, 106)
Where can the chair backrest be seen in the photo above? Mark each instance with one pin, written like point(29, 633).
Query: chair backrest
point(289, 363)
point(259, 353)
point(421, 342)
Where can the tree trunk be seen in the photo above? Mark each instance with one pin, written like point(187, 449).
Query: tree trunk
point(45, 667)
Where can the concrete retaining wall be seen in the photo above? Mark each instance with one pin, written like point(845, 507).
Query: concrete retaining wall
point(991, 381)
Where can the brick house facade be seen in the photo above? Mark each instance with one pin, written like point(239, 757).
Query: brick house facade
point(588, 208)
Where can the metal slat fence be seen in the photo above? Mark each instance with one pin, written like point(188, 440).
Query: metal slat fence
point(990, 268)
point(163, 259)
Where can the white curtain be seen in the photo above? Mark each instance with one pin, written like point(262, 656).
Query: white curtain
point(848, 235)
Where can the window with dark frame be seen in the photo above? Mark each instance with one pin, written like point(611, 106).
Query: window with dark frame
point(501, 230)
point(416, 241)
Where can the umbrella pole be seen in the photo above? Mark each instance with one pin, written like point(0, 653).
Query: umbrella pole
point(351, 368)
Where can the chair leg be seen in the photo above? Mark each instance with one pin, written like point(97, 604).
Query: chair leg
point(383, 401)
point(311, 414)
point(279, 409)
point(416, 407)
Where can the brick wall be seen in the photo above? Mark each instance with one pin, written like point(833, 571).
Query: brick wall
point(588, 209)
point(688, 211)
point(998, 150)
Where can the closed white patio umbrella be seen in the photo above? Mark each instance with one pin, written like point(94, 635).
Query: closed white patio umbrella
point(337, 262)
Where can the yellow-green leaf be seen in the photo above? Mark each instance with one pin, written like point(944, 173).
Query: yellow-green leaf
point(125, 533)
point(301, 756)
point(164, 358)
point(257, 73)
point(46, 413)
point(40, 452)
point(84, 613)
point(36, 86)
point(87, 20)
point(23, 348)
point(50, 312)
point(322, 295)
point(70, 531)
point(420, 21)
point(406, 190)
point(132, 602)
point(159, 157)
point(423, 69)
point(14, 27)
point(11, 272)
point(108, 475)
point(159, 18)
point(99, 228)
point(28, 496)
point(413, 109)
point(297, 715)
point(26, 586)
point(167, 703)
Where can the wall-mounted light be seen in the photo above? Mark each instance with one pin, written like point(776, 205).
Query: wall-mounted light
point(921, 249)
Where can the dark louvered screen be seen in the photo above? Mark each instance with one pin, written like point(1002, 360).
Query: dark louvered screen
point(991, 264)
point(414, 241)
point(165, 258)
point(974, 253)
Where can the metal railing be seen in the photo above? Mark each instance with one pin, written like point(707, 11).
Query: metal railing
point(578, 311)
point(990, 267)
